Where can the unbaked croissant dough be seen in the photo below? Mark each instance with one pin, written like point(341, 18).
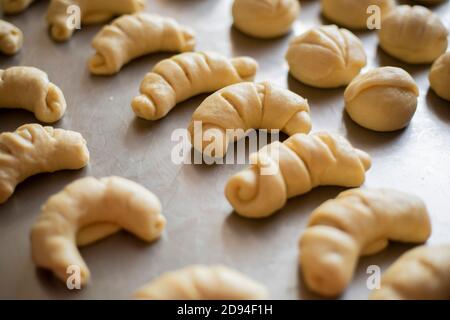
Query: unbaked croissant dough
point(440, 76)
point(326, 57)
point(353, 13)
point(358, 222)
point(92, 12)
point(200, 282)
point(419, 274)
point(413, 34)
point(15, 6)
point(246, 106)
point(383, 99)
point(293, 168)
point(11, 38)
point(86, 203)
point(265, 18)
point(34, 149)
point(29, 88)
point(185, 75)
point(132, 36)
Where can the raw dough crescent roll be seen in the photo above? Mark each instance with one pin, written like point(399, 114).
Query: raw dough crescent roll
point(132, 36)
point(440, 76)
point(29, 88)
point(83, 204)
point(186, 75)
point(419, 274)
point(281, 171)
point(34, 149)
point(11, 38)
point(358, 222)
point(92, 12)
point(15, 6)
point(246, 106)
point(199, 282)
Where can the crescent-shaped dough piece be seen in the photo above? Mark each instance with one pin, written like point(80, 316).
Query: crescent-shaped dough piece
point(326, 57)
point(30, 89)
point(440, 76)
point(353, 13)
point(92, 12)
point(15, 6)
point(358, 222)
point(245, 106)
point(186, 75)
point(132, 36)
point(265, 18)
point(280, 171)
point(84, 204)
point(200, 282)
point(420, 274)
point(11, 38)
point(413, 34)
point(34, 149)
point(383, 99)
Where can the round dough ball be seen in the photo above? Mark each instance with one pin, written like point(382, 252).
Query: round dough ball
point(326, 57)
point(413, 34)
point(440, 76)
point(265, 18)
point(383, 99)
point(353, 13)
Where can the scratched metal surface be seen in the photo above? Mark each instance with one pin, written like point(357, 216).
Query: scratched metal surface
point(201, 226)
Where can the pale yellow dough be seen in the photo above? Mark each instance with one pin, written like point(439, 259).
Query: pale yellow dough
point(302, 163)
point(200, 282)
point(186, 75)
point(94, 207)
point(265, 18)
point(326, 57)
point(30, 89)
point(15, 6)
point(92, 12)
point(132, 36)
point(244, 106)
point(34, 149)
point(353, 13)
point(422, 273)
point(11, 38)
point(440, 76)
point(358, 222)
point(413, 34)
point(383, 99)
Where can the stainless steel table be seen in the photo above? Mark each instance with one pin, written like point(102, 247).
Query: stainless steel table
point(201, 226)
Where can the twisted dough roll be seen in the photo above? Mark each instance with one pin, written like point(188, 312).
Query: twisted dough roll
point(186, 75)
point(353, 13)
point(11, 38)
point(246, 106)
point(34, 149)
point(419, 274)
point(440, 76)
point(92, 12)
point(284, 170)
point(413, 34)
point(265, 18)
point(15, 6)
point(132, 36)
point(326, 57)
point(85, 204)
point(29, 88)
point(199, 282)
point(358, 222)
